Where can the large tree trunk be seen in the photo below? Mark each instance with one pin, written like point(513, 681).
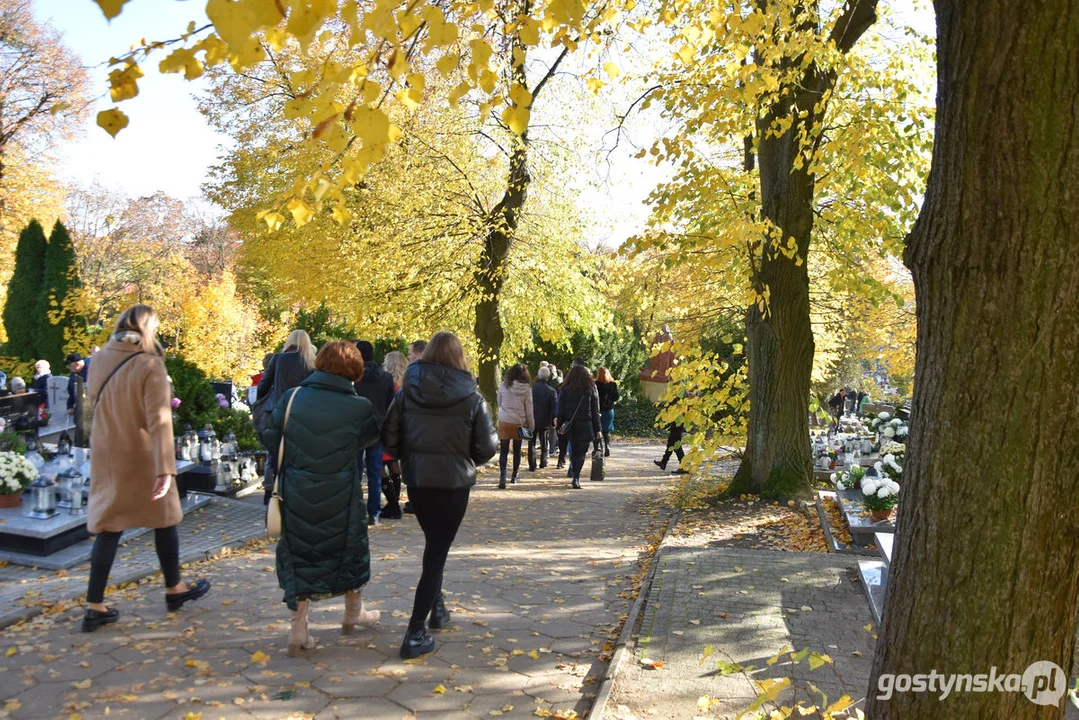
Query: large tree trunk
point(491, 273)
point(985, 570)
point(779, 338)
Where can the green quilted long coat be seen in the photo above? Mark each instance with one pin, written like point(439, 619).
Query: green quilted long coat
point(323, 549)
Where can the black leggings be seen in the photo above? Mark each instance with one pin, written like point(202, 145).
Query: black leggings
point(674, 442)
point(439, 513)
point(504, 453)
point(167, 543)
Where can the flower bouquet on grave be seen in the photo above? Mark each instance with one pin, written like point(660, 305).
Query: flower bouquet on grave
point(848, 479)
point(16, 474)
point(881, 496)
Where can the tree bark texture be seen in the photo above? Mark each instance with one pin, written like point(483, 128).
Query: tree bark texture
point(491, 273)
point(779, 339)
point(986, 564)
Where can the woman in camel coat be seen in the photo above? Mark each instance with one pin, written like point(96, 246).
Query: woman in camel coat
point(132, 462)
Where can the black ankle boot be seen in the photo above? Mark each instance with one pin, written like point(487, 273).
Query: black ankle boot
point(576, 484)
point(416, 643)
point(440, 616)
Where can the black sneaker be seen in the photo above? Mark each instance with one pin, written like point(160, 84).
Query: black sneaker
point(680, 471)
point(660, 464)
point(93, 619)
point(416, 643)
point(440, 616)
point(175, 601)
point(391, 516)
point(513, 480)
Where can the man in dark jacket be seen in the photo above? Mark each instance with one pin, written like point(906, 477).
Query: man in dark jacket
point(544, 406)
point(76, 366)
point(377, 386)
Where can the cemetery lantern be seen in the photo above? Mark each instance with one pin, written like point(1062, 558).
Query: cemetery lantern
point(63, 445)
point(42, 498)
point(71, 489)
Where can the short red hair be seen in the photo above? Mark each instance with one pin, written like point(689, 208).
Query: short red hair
point(340, 357)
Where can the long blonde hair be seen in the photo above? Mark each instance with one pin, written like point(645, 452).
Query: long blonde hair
point(300, 341)
point(395, 364)
point(142, 320)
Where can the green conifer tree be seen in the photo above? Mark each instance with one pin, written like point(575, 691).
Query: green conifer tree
point(53, 317)
point(24, 292)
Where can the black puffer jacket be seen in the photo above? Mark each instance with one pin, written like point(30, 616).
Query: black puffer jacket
point(439, 427)
point(377, 386)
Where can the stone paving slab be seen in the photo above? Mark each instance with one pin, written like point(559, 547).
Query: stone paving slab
point(25, 591)
point(747, 605)
point(538, 582)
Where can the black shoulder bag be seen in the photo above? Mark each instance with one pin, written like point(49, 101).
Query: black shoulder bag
point(565, 425)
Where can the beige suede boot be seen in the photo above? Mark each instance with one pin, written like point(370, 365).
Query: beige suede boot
point(298, 636)
point(356, 614)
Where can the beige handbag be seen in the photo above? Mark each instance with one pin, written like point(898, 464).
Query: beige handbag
point(273, 510)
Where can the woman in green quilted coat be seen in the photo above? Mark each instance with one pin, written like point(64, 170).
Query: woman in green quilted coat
point(323, 551)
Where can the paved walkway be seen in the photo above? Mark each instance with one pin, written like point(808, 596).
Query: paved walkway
point(541, 578)
point(710, 605)
point(25, 591)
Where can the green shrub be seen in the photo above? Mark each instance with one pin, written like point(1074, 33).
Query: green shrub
point(229, 420)
point(637, 418)
point(198, 402)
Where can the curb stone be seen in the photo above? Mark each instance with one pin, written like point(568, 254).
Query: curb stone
point(621, 648)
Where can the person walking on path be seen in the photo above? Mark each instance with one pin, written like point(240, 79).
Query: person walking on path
point(134, 461)
point(608, 396)
point(377, 386)
point(675, 433)
point(415, 350)
point(395, 364)
point(439, 428)
point(578, 407)
point(515, 411)
point(323, 551)
point(544, 408)
point(285, 371)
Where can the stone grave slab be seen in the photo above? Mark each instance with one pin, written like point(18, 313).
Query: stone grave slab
point(862, 527)
point(874, 574)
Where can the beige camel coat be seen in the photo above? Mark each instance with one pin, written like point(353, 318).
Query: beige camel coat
point(131, 443)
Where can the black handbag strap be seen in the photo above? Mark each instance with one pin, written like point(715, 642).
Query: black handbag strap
point(577, 410)
point(114, 370)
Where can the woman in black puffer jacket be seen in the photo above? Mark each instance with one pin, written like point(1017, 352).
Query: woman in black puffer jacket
point(579, 418)
point(440, 429)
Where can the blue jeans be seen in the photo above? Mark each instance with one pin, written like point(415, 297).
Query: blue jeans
point(373, 463)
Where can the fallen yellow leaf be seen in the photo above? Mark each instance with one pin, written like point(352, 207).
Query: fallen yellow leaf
point(260, 657)
point(84, 684)
point(10, 651)
point(440, 690)
point(534, 655)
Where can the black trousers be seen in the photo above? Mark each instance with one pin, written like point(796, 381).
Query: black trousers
point(578, 449)
point(674, 443)
point(166, 542)
point(504, 453)
point(539, 436)
point(439, 513)
point(563, 444)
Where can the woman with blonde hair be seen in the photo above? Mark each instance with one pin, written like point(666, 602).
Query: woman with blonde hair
point(440, 429)
point(323, 549)
point(133, 460)
point(286, 370)
point(395, 363)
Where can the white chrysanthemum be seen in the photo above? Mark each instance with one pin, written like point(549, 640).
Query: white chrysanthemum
point(884, 416)
point(902, 432)
point(889, 432)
